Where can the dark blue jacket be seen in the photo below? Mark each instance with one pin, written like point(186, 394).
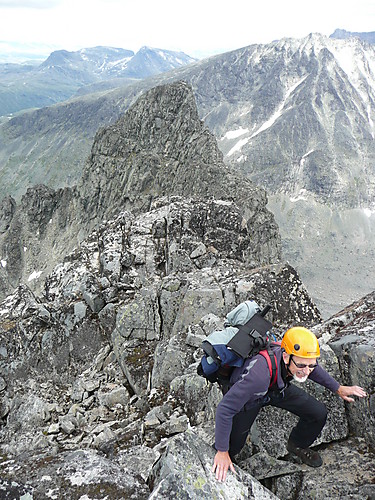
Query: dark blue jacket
point(250, 384)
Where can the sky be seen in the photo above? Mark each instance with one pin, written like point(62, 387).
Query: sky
point(199, 28)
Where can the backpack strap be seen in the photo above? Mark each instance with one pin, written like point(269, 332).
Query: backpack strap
point(270, 357)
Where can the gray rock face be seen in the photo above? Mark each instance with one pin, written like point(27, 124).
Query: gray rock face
point(113, 404)
point(180, 471)
point(159, 148)
point(75, 474)
point(353, 340)
point(7, 209)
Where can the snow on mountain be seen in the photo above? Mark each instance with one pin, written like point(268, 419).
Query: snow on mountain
point(65, 73)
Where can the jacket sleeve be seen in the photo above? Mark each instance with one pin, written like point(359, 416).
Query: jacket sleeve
point(252, 385)
point(321, 377)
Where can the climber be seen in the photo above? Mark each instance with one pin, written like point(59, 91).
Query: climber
point(296, 360)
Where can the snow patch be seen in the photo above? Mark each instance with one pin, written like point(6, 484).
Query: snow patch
point(267, 124)
point(34, 275)
point(302, 161)
point(359, 67)
point(238, 146)
point(370, 120)
point(162, 55)
point(233, 134)
point(302, 195)
point(241, 158)
point(368, 212)
point(223, 202)
point(3, 263)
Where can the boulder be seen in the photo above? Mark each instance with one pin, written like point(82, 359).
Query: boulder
point(352, 337)
point(185, 467)
point(76, 474)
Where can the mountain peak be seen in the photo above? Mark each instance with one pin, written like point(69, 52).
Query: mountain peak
point(342, 34)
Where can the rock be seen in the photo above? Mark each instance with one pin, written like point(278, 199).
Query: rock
point(199, 251)
point(91, 385)
point(54, 428)
point(140, 459)
point(113, 396)
point(178, 470)
point(80, 309)
point(7, 209)
point(76, 474)
point(104, 440)
point(170, 360)
point(152, 419)
point(94, 300)
point(353, 342)
point(68, 424)
point(178, 423)
point(331, 480)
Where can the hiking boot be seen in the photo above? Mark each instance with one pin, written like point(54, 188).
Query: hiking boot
point(307, 455)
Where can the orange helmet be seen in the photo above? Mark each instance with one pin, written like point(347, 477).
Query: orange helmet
point(300, 342)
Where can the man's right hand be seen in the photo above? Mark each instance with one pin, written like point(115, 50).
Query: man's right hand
point(222, 463)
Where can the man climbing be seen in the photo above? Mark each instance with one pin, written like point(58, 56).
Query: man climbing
point(296, 359)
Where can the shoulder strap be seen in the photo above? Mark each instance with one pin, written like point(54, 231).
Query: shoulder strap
point(270, 357)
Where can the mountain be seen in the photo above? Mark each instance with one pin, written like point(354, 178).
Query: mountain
point(295, 116)
point(98, 373)
point(64, 73)
point(305, 93)
point(368, 37)
point(158, 148)
point(115, 283)
point(100, 395)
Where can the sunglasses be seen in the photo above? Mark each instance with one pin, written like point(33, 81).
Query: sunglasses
point(301, 366)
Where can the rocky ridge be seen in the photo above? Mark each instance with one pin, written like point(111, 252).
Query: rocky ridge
point(158, 148)
point(100, 396)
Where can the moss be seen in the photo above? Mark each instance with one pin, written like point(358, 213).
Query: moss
point(199, 483)
point(138, 357)
point(8, 325)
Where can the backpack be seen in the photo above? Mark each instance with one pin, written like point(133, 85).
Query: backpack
point(246, 333)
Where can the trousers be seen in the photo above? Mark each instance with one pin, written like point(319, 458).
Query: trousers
point(311, 412)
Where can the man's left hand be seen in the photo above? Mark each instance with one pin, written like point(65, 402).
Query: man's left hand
point(344, 391)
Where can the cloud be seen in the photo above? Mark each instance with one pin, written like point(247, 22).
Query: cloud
point(29, 4)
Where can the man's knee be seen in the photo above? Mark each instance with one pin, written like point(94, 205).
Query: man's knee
point(319, 412)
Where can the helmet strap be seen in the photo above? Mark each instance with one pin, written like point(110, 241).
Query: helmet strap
point(288, 365)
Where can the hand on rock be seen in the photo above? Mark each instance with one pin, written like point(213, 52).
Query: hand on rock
point(222, 463)
point(344, 391)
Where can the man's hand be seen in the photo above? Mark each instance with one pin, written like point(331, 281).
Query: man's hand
point(222, 463)
point(344, 391)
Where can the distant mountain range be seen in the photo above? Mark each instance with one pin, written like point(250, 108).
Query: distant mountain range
point(63, 73)
point(368, 37)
